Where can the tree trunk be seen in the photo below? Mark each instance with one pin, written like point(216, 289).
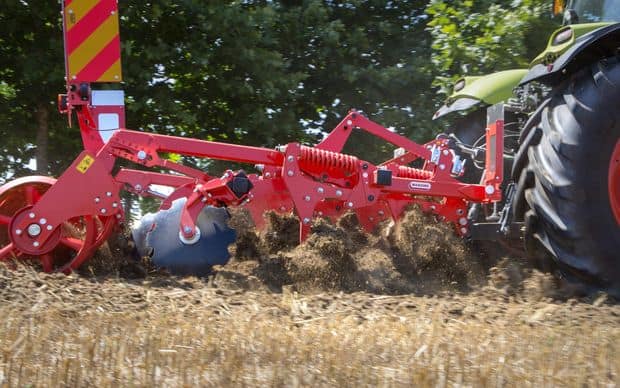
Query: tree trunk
point(42, 140)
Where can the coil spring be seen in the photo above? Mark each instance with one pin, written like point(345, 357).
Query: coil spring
point(414, 173)
point(315, 158)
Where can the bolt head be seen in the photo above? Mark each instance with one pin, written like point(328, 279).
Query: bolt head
point(268, 174)
point(187, 230)
point(97, 200)
point(42, 221)
point(350, 204)
point(442, 166)
point(445, 152)
point(365, 175)
point(349, 122)
point(109, 194)
point(290, 158)
point(307, 198)
point(320, 190)
point(290, 173)
point(381, 213)
point(306, 220)
point(103, 211)
point(138, 188)
point(118, 216)
point(489, 189)
point(459, 212)
point(18, 232)
point(338, 193)
point(464, 230)
point(36, 244)
point(31, 215)
point(141, 155)
point(34, 230)
point(114, 205)
point(49, 227)
point(463, 221)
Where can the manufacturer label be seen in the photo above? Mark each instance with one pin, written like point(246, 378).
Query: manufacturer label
point(416, 185)
point(85, 164)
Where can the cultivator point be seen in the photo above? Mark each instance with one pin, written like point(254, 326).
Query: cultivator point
point(60, 223)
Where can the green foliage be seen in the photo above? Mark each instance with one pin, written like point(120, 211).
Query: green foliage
point(476, 37)
point(262, 72)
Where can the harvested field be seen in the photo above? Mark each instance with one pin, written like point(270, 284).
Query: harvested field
point(412, 306)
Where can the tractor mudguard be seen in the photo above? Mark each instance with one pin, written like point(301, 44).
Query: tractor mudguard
point(488, 90)
point(588, 48)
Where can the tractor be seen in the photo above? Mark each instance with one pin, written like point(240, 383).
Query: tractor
point(562, 144)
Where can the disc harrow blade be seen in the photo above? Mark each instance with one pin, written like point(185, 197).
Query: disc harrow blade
point(157, 236)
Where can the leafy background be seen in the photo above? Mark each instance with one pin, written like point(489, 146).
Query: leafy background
point(261, 72)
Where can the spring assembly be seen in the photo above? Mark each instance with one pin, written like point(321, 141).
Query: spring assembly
point(414, 173)
point(315, 159)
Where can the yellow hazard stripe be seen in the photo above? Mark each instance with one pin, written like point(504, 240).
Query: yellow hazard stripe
point(93, 45)
point(112, 74)
point(76, 11)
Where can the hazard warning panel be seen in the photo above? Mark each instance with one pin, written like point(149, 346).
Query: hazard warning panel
point(92, 42)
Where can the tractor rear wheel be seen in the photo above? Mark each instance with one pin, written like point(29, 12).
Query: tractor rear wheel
point(570, 185)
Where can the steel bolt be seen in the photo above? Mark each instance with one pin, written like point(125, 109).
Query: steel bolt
point(320, 190)
point(118, 216)
point(268, 174)
point(49, 227)
point(290, 173)
point(18, 232)
point(31, 215)
point(109, 194)
point(459, 212)
point(463, 221)
point(187, 230)
point(320, 214)
point(350, 204)
point(141, 155)
point(306, 220)
point(34, 230)
point(338, 193)
point(489, 189)
point(371, 218)
point(349, 122)
point(114, 204)
point(464, 230)
point(103, 211)
point(35, 244)
point(97, 200)
point(381, 213)
point(365, 175)
point(138, 188)
point(442, 166)
point(445, 152)
point(307, 198)
point(42, 221)
point(290, 158)
point(282, 208)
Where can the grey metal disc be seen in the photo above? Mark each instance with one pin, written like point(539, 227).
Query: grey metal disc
point(157, 236)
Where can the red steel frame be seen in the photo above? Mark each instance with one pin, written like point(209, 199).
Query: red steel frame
point(317, 181)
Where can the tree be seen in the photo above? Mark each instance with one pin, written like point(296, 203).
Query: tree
point(476, 37)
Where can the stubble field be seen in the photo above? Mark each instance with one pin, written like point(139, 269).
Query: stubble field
point(410, 306)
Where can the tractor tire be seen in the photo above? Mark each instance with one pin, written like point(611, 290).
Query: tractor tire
point(565, 186)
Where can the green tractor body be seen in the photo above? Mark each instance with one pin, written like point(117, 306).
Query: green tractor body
point(562, 146)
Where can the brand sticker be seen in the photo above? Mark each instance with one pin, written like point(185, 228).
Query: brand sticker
point(85, 164)
point(416, 185)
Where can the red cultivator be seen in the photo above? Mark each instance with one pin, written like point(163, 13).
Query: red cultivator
point(62, 222)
